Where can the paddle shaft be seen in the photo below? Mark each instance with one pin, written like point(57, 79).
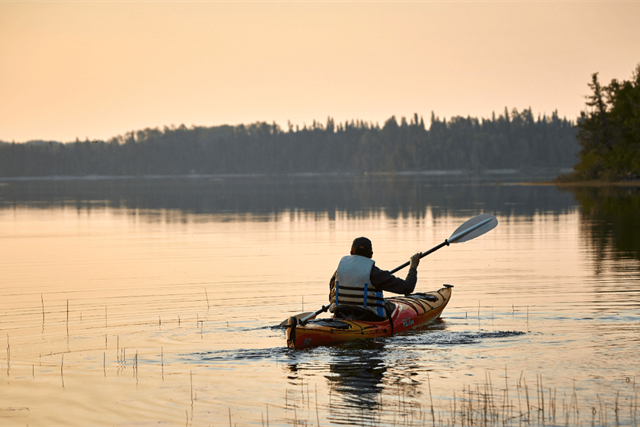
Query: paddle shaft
point(423, 254)
point(312, 315)
point(451, 239)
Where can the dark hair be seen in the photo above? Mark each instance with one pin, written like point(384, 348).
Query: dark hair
point(362, 246)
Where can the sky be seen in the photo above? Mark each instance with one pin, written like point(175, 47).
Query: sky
point(99, 69)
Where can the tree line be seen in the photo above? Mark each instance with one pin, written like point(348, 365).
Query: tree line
point(609, 132)
point(512, 140)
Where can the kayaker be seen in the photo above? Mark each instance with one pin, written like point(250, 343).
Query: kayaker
point(356, 288)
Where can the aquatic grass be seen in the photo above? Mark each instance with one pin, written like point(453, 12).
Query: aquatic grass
point(478, 405)
point(474, 406)
point(433, 416)
point(8, 355)
point(317, 413)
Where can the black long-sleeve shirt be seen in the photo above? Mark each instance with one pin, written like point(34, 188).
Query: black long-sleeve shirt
point(385, 281)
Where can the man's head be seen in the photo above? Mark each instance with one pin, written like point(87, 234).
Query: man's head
point(362, 246)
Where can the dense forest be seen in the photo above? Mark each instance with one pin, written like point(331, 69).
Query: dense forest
point(609, 132)
point(512, 140)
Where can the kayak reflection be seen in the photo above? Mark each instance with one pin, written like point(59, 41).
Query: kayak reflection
point(361, 382)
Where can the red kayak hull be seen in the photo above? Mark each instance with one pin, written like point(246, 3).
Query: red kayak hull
point(410, 312)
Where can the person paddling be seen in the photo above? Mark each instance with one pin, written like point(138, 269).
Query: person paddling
point(356, 288)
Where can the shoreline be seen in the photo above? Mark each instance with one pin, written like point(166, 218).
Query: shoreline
point(592, 183)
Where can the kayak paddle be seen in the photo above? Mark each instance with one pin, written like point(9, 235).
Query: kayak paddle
point(475, 227)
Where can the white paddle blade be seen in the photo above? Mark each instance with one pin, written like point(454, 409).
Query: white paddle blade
point(475, 227)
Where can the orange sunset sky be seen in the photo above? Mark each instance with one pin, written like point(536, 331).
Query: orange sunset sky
point(98, 69)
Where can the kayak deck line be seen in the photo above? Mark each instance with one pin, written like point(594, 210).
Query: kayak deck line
point(410, 312)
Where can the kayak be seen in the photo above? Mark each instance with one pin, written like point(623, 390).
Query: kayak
point(409, 312)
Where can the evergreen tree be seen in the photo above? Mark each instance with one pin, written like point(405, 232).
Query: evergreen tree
point(609, 131)
point(513, 140)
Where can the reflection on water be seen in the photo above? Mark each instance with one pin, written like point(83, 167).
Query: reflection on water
point(364, 377)
point(611, 220)
point(358, 377)
point(396, 196)
point(356, 382)
point(152, 301)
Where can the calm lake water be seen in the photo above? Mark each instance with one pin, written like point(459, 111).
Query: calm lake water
point(154, 301)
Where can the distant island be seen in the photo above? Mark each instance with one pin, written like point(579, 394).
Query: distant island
point(609, 133)
point(512, 140)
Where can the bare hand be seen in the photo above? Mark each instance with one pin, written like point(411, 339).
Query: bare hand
point(415, 260)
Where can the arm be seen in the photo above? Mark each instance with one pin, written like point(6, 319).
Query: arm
point(332, 285)
point(385, 281)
